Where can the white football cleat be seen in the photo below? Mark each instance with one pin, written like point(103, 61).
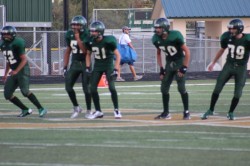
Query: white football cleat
point(77, 111)
point(117, 114)
point(95, 115)
point(88, 113)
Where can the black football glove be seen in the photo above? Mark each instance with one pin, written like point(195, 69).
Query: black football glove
point(114, 75)
point(162, 71)
point(183, 69)
point(88, 71)
point(64, 71)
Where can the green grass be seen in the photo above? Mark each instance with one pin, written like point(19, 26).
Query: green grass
point(192, 144)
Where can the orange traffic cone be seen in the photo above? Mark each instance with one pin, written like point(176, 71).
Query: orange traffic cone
point(103, 81)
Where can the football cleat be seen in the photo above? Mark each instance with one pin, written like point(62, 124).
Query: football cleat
point(230, 116)
point(186, 115)
point(88, 113)
point(95, 115)
point(76, 112)
point(25, 113)
point(207, 114)
point(163, 116)
point(117, 114)
point(42, 112)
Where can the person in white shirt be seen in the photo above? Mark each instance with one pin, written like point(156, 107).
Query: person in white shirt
point(125, 40)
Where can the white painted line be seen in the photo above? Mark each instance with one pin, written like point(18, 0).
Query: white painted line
point(128, 146)
point(129, 86)
point(43, 164)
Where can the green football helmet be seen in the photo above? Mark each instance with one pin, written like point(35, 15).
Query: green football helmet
point(8, 30)
point(236, 24)
point(97, 26)
point(79, 20)
point(162, 23)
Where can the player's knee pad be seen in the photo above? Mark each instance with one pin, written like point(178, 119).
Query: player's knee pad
point(25, 93)
point(164, 90)
point(112, 89)
point(7, 96)
point(69, 89)
point(238, 95)
point(182, 91)
point(93, 90)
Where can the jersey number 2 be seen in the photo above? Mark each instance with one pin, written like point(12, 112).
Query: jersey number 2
point(9, 57)
point(99, 54)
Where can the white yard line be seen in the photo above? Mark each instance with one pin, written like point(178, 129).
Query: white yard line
point(126, 146)
point(134, 86)
point(43, 164)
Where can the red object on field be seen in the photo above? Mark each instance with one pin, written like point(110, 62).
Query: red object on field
point(103, 81)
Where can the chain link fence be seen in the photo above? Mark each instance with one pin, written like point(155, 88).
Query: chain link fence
point(45, 51)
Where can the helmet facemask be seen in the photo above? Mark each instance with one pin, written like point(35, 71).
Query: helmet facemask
point(8, 33)
point(236, 24)
point(79, 21)
point(162, 23)
point(98, 27)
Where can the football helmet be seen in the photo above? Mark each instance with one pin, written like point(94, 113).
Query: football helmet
point(162, 23)
point(236, 24)
point(97, 26)
point(8, 30)
point(79, 20)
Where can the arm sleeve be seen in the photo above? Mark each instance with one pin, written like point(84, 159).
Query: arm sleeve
point(67, 39)
point(223, 41)
point(20, 47)
point(112, 43)
point(180, 39)
point(154, 41)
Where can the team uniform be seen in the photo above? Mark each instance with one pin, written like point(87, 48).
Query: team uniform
point(235, 66)
point(238, 45)
point(236, 63)
point(104, 57)
point(77, 68)
point(13, 50)
point(171, 46)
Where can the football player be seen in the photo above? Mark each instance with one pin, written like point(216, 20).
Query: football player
point(75, 39)
point(171, 43)
point(104, 48)
point(238, 45)
point(17, 71)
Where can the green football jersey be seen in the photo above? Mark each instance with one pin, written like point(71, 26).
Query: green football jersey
point(77, 53)
point(103, 51)
point(238, 49)
point(170, 46)
point(12, 51)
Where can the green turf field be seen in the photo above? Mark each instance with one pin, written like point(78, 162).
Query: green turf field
point(135, 140)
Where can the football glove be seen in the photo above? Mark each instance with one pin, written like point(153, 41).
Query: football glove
point(162, 71)
point(183, 69)
point(114, 74)
point(88, 71)
point(65, 71)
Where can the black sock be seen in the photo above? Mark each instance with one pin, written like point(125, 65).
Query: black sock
point(165, 100)
point(72, 96)
point(214, 99)
point(184, 98)
point(34, 100)
point(18, 103)
point(234, 103)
